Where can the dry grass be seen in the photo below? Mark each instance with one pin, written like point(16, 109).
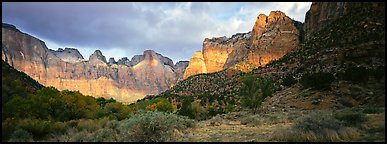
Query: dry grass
point(317, 126)
point(326, 135)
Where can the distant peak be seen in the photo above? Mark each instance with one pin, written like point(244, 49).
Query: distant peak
point(112, 61)
point(97, 55)
point(68, 54)
point(97, 52)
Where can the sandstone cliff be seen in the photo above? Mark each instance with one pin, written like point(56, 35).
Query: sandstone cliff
point(196, 65)
point(278, 36)
point(271, 37)
point(180, 68)
point(125, 80)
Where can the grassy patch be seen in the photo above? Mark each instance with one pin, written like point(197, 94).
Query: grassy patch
point(350, 118)
point(316, 127)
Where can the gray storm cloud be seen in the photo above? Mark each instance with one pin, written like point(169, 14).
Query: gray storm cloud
point(175, 30)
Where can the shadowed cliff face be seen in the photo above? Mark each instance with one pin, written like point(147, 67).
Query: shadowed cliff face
point(125, 80)
point(321, 14)
point(271, 37)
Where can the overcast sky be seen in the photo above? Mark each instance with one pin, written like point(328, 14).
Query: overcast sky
point(175, 30)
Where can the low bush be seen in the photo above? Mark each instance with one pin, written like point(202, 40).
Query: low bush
point(317, 81)
point(372, 110)
point(289, 81)
point(21, 135)
point(152, 126)
point(316, 127)
point(350, 118)
point(356, 74)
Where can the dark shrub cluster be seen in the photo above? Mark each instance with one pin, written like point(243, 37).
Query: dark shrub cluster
point(318, 81)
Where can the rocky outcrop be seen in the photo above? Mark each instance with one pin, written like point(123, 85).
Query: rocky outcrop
point(71, 55)
point(271, 37)
point(321, 14)
point(125, 80)
point(97, 58)
point(273, 40)
point(124, 61)
point(180, 68)
point(136, 59)
point(196, 65)
point(241, 44)
point(112, 61)
point(165, 60)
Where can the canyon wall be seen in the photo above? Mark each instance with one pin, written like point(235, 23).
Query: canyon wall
point(271, 37)
point(125, 80)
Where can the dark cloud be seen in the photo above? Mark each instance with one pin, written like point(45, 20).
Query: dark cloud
point(175, 30)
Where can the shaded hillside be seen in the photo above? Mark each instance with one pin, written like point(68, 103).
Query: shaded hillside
point(16, 83)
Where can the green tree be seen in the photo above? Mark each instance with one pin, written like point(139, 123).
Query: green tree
point(186, 108)
point(254, 90)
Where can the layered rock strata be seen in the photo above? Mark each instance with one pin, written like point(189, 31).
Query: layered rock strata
point(271, 37)
point(125, 80)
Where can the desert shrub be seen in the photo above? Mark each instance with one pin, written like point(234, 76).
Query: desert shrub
point(152, 126)
point(229, 108)
point(102, 101)
point(162, 104)
point(379, 72)
point(88, 125)
point(254, 90)
point(372, 110)
point(72, 123)
point(317, 126)
point(105, 135)
point(58, 127)
point(7, 128)
point(16, 107)
point(356, 74)
point(199, 112)
point(113, 124)
point(350, 117)
point(21, 135)
point(186, 107)
point(252, 120)
point(38, 128)
point(118, 111)
point(288, 80)
point(318, 81)
point(213, 111)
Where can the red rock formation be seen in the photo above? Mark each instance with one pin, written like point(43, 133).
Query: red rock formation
point(271, 37)
point(196, 65)
point(321, 14)
point(150, 74)
point(279, 35)
point(215, 53)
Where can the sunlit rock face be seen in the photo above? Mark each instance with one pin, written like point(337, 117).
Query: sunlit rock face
point(273, 40)
point(196, 65)
point(271, 37)
point(70, 55)
point(125, 80)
